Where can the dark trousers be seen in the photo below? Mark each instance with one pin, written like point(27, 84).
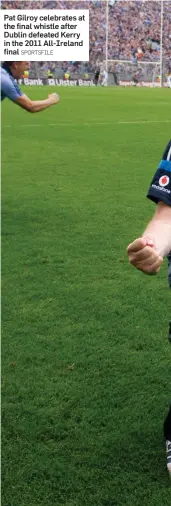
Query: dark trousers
point(167, 426)
point(115, 78)
point(96, 78)
point(167, 422)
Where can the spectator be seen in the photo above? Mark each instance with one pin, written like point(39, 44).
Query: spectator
point(132, 25)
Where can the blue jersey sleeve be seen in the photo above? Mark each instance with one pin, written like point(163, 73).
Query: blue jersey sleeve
point(160, 188)
point(9, 88)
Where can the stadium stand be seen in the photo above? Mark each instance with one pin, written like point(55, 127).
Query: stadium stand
point(133, 25)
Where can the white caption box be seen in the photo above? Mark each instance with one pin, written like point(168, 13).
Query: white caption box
point(44, 35)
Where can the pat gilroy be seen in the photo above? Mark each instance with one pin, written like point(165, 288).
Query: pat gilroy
point(24, 17)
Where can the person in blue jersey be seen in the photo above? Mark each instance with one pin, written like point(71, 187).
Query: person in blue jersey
point(146, 253)
point(10, 72)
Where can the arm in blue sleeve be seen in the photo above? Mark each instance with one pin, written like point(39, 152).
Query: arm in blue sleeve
point(10, 88)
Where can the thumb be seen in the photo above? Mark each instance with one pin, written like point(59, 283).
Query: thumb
point(150, 241)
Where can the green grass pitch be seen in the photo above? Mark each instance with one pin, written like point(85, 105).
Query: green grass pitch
point(85, 356)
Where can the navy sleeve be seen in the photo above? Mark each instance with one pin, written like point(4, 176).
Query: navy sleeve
point(160, 188)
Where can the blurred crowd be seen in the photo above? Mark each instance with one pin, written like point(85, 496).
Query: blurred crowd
point(133, 28)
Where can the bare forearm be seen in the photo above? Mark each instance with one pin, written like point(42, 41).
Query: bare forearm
point(40, 105)
point(146, 253)
point(161, 231)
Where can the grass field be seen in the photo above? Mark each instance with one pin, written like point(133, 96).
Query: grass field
point(85, 356)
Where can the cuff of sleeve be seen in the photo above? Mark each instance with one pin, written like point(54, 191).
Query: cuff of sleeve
point(155, 197)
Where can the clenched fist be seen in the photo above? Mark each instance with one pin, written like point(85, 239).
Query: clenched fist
point(143, 255)
point(54, 98)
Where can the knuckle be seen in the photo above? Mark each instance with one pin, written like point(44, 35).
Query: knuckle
point(152, 269)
